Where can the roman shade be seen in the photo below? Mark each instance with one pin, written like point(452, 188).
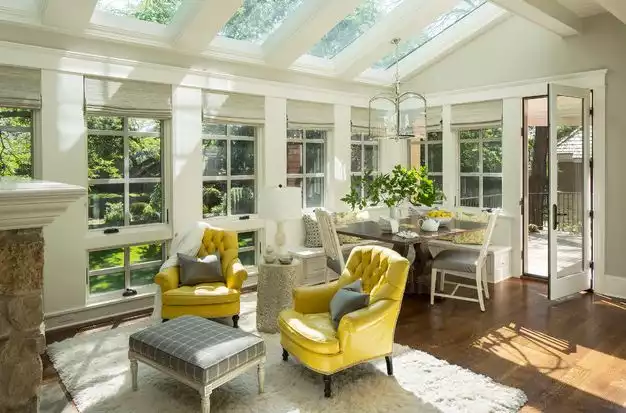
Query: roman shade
point(477, 114)
point(360, 119)
point(224, 107)
point(433, 118)
point(20, 87)
point(108, 97)
point(302, 114)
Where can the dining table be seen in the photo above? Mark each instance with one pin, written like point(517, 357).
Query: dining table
point(419, 275)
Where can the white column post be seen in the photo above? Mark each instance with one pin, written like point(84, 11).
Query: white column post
point(274, 147)
point(512, 176)
point(339, 153)
point(186, 157)
point(450, 159)
point(63, 146)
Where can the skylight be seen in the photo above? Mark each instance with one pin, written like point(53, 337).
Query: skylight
point(443, 22)
point(255, 20)
point(157, 11)
point(353, 26)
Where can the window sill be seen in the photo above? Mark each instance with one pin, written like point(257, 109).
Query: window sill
point(128, 235)
point(105, 299)
point(233, 223)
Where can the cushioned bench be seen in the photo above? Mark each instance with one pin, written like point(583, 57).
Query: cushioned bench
point(198, 352)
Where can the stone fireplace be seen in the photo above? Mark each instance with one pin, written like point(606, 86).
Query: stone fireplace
point(26, 206)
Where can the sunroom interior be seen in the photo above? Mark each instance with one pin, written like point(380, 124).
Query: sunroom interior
point(173, 112)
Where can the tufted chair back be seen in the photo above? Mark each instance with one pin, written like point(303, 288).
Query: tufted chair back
point(225, 242)
point(383, 272)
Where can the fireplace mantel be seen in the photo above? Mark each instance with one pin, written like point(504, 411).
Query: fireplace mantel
point(27, 203)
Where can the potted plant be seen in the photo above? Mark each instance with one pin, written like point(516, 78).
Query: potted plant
point(401, 184)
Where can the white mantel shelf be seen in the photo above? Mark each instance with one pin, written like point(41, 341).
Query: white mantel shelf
point(27, 203)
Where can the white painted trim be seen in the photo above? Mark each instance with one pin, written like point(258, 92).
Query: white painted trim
point(611, 285)
point(598, 203)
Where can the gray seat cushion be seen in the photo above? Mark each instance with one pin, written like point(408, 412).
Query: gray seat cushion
point(456, 260)
point(334, 264)
point(197, 348)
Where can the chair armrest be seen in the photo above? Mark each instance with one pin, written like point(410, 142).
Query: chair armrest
point(370, 329)
point(236, 274)
point(314, 299)
point(167, 279)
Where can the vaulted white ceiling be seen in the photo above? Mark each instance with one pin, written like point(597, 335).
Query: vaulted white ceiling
point(347, 39)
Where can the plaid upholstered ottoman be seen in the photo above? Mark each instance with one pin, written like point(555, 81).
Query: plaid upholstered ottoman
point(198, 352)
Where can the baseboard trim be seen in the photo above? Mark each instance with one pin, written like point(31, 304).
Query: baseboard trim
point(611, 285)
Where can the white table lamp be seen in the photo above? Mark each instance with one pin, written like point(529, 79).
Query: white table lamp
point(280, 204)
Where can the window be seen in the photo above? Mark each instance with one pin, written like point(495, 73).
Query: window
point(429, 153)
point(363, 156)
point(116, 269)
point(229, 177)
point(480, 157)
point(16, 141)
point(157, 11)
point(248, 248)
point(306, 162)
point(125, 171)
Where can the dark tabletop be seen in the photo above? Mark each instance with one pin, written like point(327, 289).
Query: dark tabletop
point(371, 230)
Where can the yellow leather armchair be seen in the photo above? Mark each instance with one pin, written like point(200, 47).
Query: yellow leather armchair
point(209, 300)
point(308, 334)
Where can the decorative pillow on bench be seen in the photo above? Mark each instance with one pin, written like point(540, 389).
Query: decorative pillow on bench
point(312, 237)
point(473, 237)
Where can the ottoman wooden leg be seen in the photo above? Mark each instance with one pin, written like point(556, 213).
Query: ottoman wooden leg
point(285, 355)
point(133, 372)
point(205, 401)
point(327, 383)
point(236, 321)
point(261, 374)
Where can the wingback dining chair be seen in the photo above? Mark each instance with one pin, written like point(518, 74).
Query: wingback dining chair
point(335, 257)
point(466, 263)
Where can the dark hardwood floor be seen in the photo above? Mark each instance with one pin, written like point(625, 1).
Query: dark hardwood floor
point(567, 357)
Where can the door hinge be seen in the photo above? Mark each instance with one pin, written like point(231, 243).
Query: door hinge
point(591, 265)
point(590, 111)
point(590, 163)
point(591, 214)
point(167, 216)
point(522, 254)
point(521, 131)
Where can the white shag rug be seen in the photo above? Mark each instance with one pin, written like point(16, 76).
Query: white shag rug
point(95, 370)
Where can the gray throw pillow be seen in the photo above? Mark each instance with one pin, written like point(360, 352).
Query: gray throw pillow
point(356, 286)
point(346, 301)
point(195, 271)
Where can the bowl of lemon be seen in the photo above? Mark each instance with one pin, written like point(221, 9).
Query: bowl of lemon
point(444, 217)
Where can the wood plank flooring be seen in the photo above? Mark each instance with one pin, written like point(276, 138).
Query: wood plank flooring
point(567, 357)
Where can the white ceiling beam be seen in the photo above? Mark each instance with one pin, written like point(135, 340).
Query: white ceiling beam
point(199, 21)
point(305, 27)
point(546, 13)
point(464, 31)
point(405, 21)
point(616, 7)
point(71, 15)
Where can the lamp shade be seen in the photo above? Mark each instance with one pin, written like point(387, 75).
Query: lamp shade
point(280, 204)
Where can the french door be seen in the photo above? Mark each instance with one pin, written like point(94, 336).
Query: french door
point(569, 191)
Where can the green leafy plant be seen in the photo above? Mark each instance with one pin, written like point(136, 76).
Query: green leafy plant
point(393, 188)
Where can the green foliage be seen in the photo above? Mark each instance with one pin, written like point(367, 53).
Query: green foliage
point(393, 188)
point(157, 11)
point(16, 143)
point(255, 19)
point(114, 214)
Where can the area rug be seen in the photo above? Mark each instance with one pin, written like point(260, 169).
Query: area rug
point(94, 369)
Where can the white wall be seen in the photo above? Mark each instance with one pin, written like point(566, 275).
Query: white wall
point(518, 50)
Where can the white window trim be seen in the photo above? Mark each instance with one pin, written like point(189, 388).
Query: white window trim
point(165, 181)
point(427, 143)
point(229, 178)
point(362, 143)
point(480, 174)
point(304, 175)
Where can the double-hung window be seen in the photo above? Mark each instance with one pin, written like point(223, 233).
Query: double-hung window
point(229, 177)
point(125, 169)
point(306, 164)
point(16, 142)
point(364, 156)
point(480, 166)
point(429, 153)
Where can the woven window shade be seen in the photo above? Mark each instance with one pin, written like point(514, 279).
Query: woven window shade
point(360, 119)
point(310, 115)
point(108, 97)
point(477, 115)
point(20, 87)
point(222, 107)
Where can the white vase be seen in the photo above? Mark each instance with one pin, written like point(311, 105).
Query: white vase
point(394, 212)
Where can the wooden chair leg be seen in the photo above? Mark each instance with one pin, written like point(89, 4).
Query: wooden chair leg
point(485, 283)
point(236, 321)
point(389, 362)
point(433, 285)
point(327, 383)
point(479, 289)
point(285, 355)
point(443, 281)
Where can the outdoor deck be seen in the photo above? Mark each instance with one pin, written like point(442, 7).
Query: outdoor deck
point(569, 252)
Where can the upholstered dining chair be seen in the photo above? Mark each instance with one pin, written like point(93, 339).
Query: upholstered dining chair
point(335, 257)
point(465, 263)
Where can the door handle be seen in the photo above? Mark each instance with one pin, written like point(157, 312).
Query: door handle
point(554, 215)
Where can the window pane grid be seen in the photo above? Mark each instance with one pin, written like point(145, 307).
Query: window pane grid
point(235, 194)
point(480, 175)
point(307, 154)
point(142, 207)
point(364, 153)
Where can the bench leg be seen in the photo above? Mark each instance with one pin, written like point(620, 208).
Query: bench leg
point(236, 321)
point(205, 399)
point(261, 374)
point(133, 372)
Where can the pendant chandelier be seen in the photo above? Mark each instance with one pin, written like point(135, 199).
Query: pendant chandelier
point(395, 115)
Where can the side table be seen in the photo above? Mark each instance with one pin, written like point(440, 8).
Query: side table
point(275, 286)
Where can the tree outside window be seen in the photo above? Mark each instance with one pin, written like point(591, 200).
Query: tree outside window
point(306, 163)
point(480, 159)
point(429, 153)
point(16, 142)
point(364, 158)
